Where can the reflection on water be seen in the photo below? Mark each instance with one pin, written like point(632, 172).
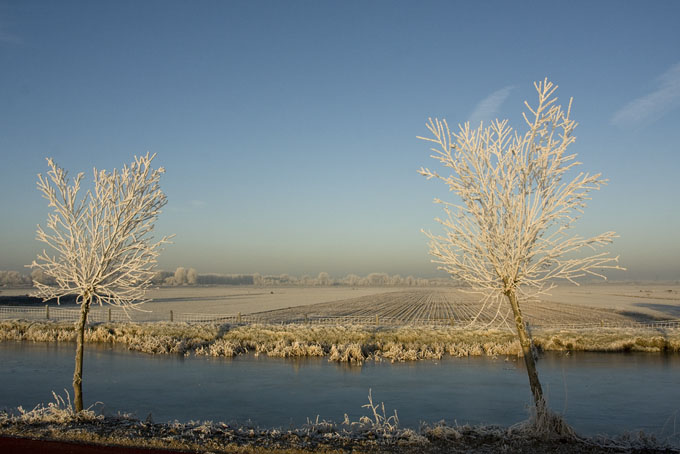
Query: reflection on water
point(598, 393)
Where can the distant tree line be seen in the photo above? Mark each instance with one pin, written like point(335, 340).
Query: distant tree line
point(189, 277)
point(17, 279)
point(14, 279)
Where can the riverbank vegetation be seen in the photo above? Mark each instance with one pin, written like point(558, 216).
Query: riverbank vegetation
point(353, 343)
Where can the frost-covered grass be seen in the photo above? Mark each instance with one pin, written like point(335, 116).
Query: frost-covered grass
point(610, 340)
point(339, 343)
point(60, 411)
point(376, 432)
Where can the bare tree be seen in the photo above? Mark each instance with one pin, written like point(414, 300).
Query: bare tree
point(378, 279)
point(104, 251)
point(396, 280)
point(40, 276)
point(323, 279)
point(13, 279)
point(351, 280)
point(519, 195)
point(180, 276)
point(192, 276)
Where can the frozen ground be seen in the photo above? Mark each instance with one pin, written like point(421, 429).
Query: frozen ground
point(234, 299)
point(451, 306)
point(657, 300)
point(660, 301)
point(247, 300)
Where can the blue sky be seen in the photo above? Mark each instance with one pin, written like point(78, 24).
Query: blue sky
point(288, 129)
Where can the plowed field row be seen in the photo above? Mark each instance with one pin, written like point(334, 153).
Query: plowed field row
point(450, 305)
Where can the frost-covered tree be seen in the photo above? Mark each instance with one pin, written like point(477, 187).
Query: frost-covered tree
point(180, 276)
point(13, 279)
point(396, 280)
point(323, 279)
point(39, 276)
point(161, 277)
point(101, 245)
point(352, 280)
point(507, 237)
point(192, 276)
point(378, 279)
point(306, 280)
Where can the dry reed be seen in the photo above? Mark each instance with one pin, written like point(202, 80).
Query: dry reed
point(353, 344)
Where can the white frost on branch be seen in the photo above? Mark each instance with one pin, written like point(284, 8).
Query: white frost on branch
point(101, 243)
point(517, 204)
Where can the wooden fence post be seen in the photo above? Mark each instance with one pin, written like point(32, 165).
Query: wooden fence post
point(47, 311)
point(376, 319)
point(239, 317)
point(109, 315)
point(172, 316)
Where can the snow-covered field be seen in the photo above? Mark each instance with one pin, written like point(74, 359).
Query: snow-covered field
point(452, 306)
point(657, 300)
point(234, 299)
point(661, 301)
point(247, 300)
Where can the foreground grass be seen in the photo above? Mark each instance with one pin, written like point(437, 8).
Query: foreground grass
point(339, 343)
point(375, 433)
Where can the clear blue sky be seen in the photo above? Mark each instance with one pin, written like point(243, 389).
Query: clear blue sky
point(288, 129)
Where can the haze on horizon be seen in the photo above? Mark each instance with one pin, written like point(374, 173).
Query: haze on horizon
point(288, 129)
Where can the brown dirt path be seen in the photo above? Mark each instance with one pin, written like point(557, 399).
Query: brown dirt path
point(11, 445)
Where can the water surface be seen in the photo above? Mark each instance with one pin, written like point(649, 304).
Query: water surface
point(596, 392)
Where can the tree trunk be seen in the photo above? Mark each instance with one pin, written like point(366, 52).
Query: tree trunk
point(80, 341)
point(525, 341)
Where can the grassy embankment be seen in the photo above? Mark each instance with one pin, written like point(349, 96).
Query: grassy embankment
point(339, 343)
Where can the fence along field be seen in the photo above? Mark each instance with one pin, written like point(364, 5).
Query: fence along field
point(403, 307)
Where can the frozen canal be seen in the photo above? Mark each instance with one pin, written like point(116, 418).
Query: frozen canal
point(597, 393)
